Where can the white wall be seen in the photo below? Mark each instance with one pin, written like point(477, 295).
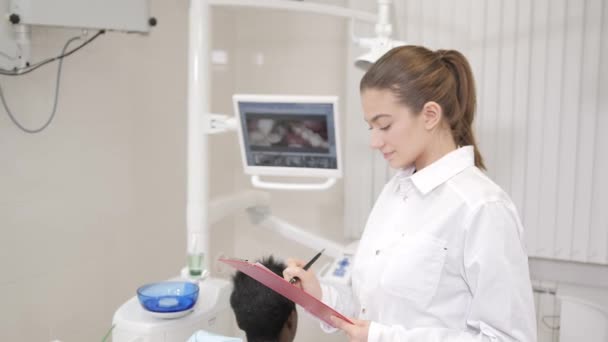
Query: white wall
point(94, 206)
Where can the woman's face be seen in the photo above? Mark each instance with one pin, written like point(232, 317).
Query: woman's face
point(396, 132)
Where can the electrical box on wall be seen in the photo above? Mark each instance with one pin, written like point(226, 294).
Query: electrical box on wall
point(119, 15)
point(21, 15)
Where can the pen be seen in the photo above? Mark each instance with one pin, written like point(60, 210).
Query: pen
point(307, 266)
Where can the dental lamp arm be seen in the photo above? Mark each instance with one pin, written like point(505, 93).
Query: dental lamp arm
point(261, 216)
point(225, 206)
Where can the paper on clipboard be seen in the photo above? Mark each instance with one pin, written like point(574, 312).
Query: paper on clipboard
point(281, 286)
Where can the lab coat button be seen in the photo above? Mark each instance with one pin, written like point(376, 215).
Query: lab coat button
point(377, 251)
point(363, 311)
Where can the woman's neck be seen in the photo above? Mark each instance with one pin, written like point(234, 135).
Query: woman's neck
point(441, 146)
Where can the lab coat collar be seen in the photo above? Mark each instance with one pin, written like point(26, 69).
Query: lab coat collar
point(403, 182)
point(441, 170)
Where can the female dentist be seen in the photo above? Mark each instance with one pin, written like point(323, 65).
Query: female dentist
point(442, 256)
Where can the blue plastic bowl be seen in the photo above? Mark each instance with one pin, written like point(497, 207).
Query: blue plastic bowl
point(168, 296)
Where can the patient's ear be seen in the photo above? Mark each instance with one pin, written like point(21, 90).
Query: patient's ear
point(292, 321)
point(291, 326)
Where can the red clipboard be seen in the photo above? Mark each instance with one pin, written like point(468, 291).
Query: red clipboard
point(281, 286)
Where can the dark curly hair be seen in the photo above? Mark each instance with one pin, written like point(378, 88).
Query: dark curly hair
point(259, 311)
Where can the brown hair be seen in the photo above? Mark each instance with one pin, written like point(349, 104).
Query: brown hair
point(417, 75)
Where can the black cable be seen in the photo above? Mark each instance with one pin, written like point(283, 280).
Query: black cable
point(54, 110)
point(31, 68)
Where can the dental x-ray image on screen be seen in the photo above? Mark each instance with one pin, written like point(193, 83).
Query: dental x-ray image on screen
point(288, 135)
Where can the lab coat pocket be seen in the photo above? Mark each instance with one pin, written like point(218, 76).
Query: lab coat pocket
point(415, 268)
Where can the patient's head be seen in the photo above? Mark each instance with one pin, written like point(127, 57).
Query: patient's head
point(263, 314)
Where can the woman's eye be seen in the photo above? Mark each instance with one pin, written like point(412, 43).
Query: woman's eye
point(384, 128)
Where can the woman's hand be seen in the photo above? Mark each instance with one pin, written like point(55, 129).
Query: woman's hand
point(308, 281)
point(356, 332)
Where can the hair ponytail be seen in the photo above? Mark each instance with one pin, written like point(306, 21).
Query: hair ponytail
point(466, 101)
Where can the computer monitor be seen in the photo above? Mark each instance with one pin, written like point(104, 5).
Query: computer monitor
point(289, 135)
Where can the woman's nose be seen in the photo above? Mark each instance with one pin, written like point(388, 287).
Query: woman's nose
point(376, 141)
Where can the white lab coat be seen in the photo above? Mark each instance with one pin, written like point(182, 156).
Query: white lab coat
point(442, 259)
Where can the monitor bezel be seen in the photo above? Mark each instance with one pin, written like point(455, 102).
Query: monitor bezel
point(289, 171)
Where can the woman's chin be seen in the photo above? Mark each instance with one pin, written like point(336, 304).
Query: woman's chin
point(398, 164)
point(394, 164)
